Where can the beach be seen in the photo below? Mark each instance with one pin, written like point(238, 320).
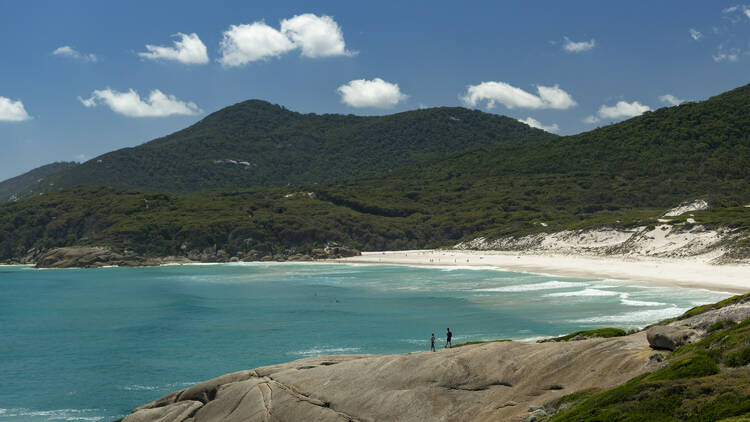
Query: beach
point(679, 272)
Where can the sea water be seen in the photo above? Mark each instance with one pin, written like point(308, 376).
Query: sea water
point(91, 344)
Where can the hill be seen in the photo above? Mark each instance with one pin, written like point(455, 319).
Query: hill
point(255, 143)
point(11, 189)
point(620, 176)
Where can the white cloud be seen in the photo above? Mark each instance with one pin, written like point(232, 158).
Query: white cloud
point(623, 109)
point(12, 111)
point(618, 111)
point(511, 97)
point(578, 47)
point(316, 36)
point(732, 55)
point(81, 158)
point(189, 49)
point(744, 10)
point(696, 35)
point(536, 124)
point(243, 44)
point(375, 93)
point(68, 51)
point(591, 119)
point(671, 99)
point(130, 103)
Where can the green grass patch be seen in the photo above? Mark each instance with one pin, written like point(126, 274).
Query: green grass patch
point(466, 343)
point(598, 333)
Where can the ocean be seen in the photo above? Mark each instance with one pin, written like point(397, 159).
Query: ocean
point(91, 344)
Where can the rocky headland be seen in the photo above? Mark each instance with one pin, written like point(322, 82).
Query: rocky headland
point(508, 381)
point(102, 256)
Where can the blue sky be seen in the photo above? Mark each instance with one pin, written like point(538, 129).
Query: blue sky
point(68, 66)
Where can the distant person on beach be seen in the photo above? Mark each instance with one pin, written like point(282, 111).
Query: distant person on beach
point(448, 336)
point(432, 342)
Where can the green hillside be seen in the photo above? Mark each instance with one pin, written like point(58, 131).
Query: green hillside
point(12, 189)
point(255, 143)
point(620, 175)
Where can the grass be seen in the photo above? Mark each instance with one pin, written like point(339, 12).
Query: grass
point(705, 381)
point(598, 333)
point(466, 343)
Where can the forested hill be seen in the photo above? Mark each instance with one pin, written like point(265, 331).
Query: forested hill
point(9, 189)
point(622, 175)
point(659, 159)
point(255, 143)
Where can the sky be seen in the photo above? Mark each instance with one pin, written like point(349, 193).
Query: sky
point(82, 78)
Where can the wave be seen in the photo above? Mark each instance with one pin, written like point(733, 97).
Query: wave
point(624, 299)
point(325, 351)
point(549, 285)
point(169, 387)
point(56, 414)
point(588, 292)
point(647, 316)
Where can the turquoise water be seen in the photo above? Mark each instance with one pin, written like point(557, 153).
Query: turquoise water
point(93, 344)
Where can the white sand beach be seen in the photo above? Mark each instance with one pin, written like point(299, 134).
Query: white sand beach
point(683, 272)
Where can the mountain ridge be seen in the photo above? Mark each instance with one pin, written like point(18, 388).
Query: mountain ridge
point(255, 143)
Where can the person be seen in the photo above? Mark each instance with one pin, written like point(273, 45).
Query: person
point(432, 342)
point(448, 337)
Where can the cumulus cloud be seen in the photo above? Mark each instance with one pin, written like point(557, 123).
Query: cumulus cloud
point(670, 99)
point(620, 110)
point(511, 96)
point(375, 93)
point(12, 111)
point(536, 124)
point(130, 103)
point(315, 36)
point(68, 51)
point(578, 47)
point(243, 44)
point(696, 35)
point(189, 49)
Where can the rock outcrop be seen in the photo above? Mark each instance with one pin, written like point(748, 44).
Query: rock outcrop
point(100, 256)
point(489, 381)
point(666, 337)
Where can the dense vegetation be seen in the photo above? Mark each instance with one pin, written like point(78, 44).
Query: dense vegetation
point(623, 175)
point(11, 188)
point(705, 381)
point(255, 143)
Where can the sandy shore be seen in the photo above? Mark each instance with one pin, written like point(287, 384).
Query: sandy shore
point(662, 271)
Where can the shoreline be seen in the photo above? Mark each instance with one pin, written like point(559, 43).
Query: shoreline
point(682, 272)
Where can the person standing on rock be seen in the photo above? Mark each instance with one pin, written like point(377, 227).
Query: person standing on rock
point(448, 336)
point(432, 342)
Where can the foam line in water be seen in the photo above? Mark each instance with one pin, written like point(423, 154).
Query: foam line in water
point(624, 299)
point(46, 415)
point(549, 285)
point(588, 292)
point(320, 351)
point(646, 316)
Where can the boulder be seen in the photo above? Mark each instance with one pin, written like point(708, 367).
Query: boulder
point(668, 337)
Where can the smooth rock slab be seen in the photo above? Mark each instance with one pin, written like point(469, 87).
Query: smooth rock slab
point(175, 412)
